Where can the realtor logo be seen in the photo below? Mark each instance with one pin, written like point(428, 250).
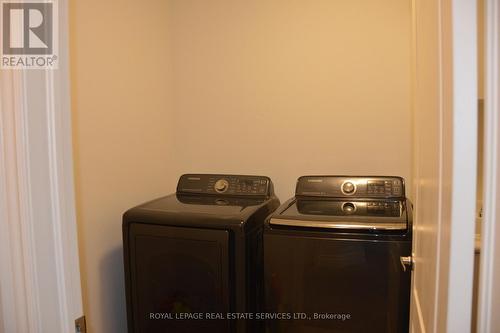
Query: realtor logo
point(29, 34)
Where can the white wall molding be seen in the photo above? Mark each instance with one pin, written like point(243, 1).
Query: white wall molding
point(489, 285)
point(39, 277)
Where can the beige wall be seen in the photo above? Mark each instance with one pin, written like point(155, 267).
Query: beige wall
point(292, 87)
point(122, 136)
point(281, 88)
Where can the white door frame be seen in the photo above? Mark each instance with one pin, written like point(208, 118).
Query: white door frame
point(39, 273)
point(445, 164)
point(459, 286)
point(489, 281)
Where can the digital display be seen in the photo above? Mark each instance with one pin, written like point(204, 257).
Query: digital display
point(376, 187)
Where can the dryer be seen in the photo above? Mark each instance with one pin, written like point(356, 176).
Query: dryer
point(336, 256)
point(197, 253)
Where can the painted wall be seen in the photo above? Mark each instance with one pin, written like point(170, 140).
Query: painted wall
point(280, 88)
point(287, 88)
point(122, 136)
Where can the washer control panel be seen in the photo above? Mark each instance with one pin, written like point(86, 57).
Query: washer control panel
point(351, 186)
point(224, 185)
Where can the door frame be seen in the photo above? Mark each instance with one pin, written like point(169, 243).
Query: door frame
point(445, 125)
point(40, 288)
point(489, 284)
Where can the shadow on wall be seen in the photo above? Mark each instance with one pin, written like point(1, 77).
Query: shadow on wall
point(113, 292)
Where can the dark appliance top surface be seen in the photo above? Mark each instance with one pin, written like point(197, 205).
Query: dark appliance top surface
point(204, 205)
point(342, 214)
point(200, 211)
point(209, 200)
point(355, 203)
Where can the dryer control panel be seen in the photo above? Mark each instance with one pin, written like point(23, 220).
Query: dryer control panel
point(351, 186)
point(237, 185)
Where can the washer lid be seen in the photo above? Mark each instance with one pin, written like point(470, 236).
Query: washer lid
point(342, 214)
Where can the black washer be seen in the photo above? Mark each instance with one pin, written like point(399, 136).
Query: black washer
point(338, 258)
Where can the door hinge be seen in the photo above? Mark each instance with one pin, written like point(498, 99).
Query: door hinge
point(80, 326)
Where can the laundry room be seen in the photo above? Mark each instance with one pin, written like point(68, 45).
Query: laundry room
point(249, 166)
point(275, 88)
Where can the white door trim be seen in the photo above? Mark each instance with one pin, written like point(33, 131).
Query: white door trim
point(489, 286)
point(464, 161)
point(39, 277)
point(445, 165)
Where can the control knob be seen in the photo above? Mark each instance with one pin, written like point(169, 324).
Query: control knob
point(348, 188)
point(221, 185)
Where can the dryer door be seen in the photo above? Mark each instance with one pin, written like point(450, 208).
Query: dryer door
point(174, 274)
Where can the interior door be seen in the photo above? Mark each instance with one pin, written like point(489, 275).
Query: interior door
point(445, 135)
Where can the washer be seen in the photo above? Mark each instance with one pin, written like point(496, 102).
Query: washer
point(337, 256)
point(198, 250)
